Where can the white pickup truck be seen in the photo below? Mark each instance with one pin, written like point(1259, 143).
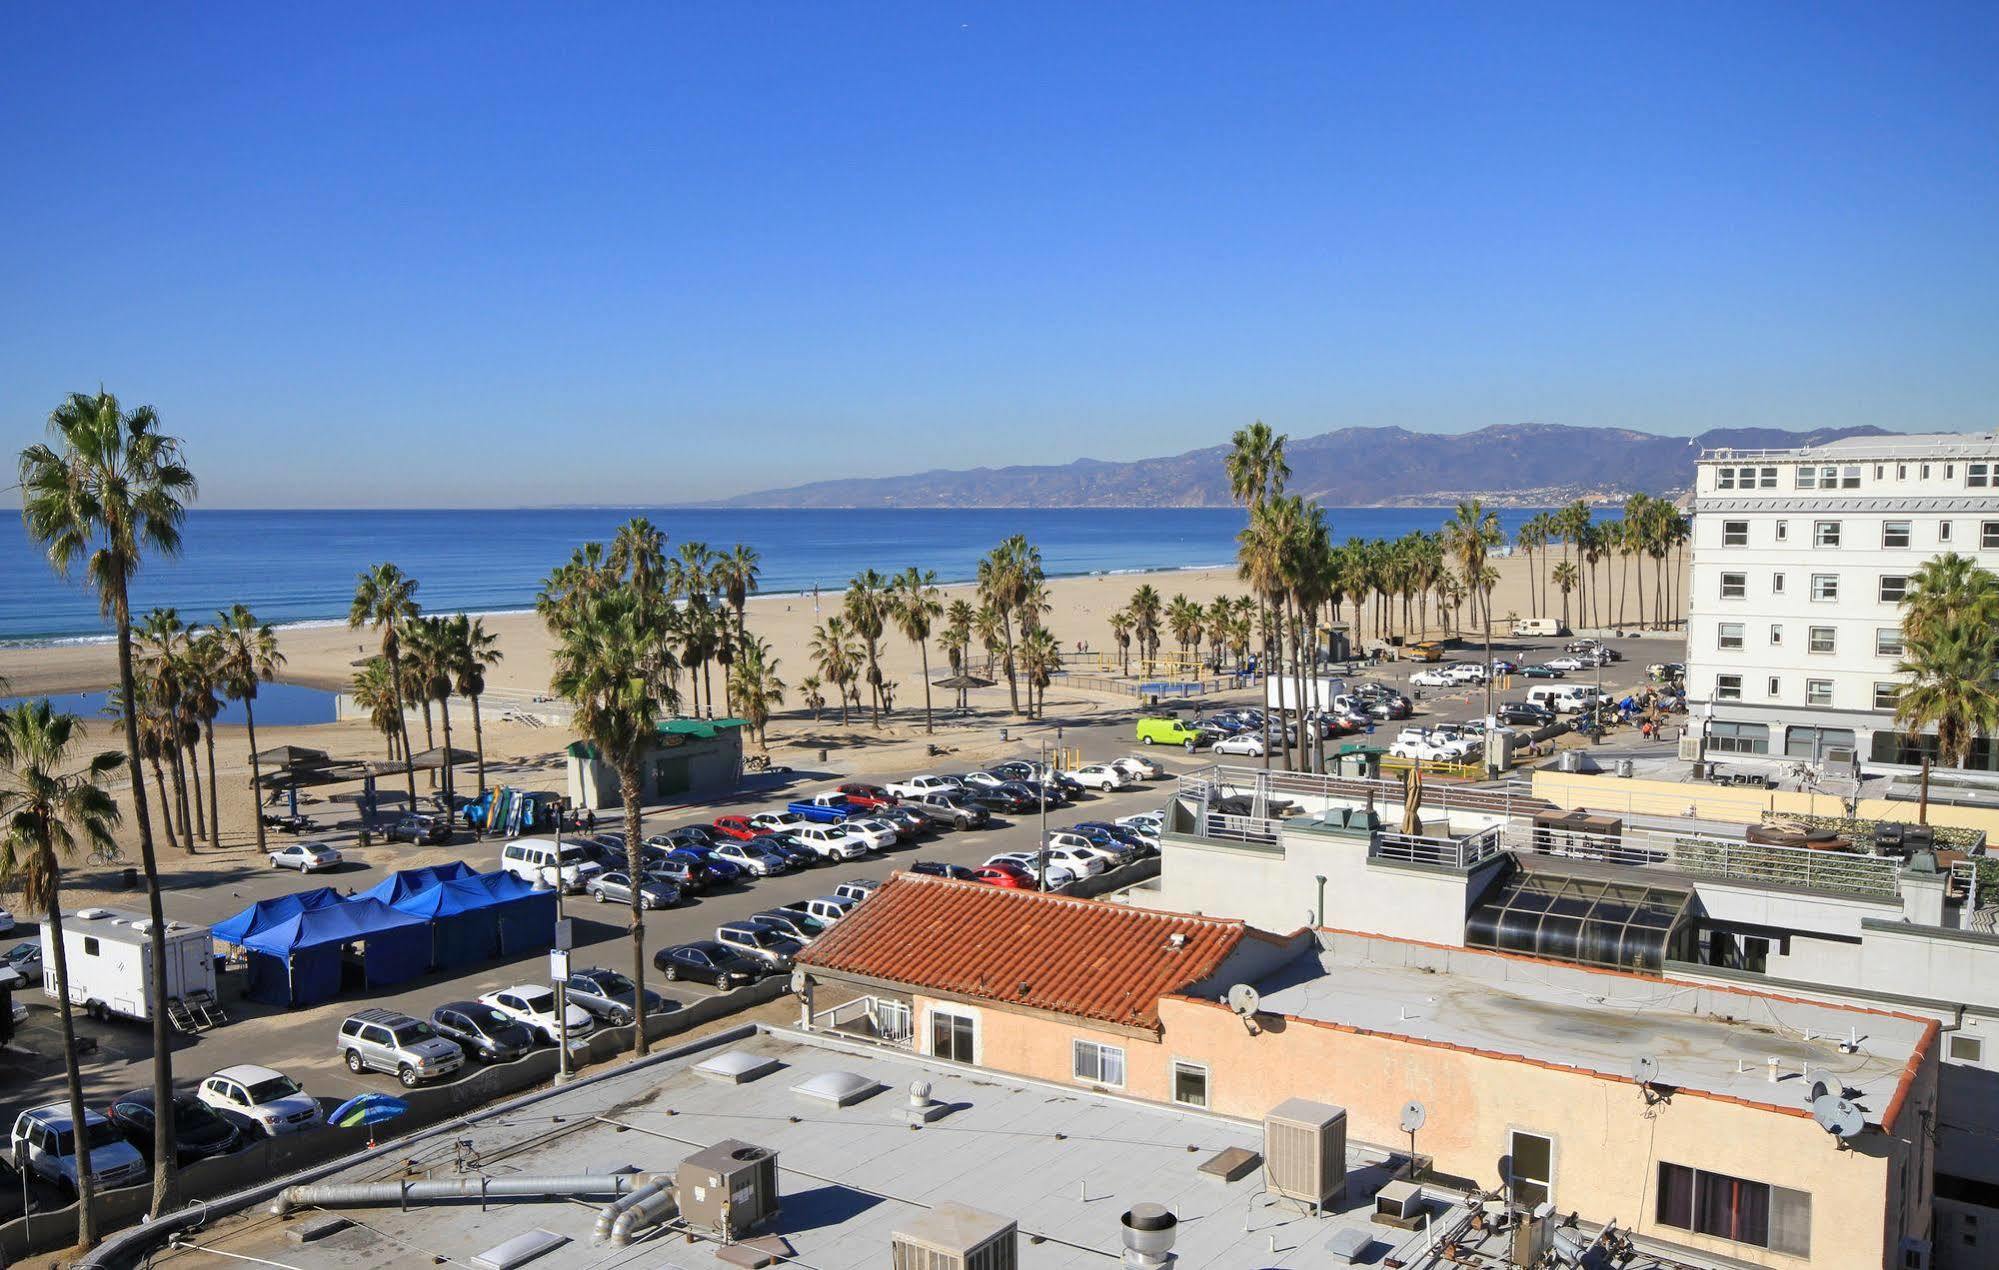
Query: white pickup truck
point(919, 786)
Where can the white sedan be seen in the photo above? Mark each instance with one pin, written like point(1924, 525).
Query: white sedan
point(1138, 767)
point(880, 835)
point(1427, 751)
point(1101, 776)
point(1251, 743)
point(306, 857)
point(1432, 677)
point(1571, 662)
point(534, 1005)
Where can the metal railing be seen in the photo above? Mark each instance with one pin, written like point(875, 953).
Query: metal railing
point(1450, 853)
point(1509, 800)
point(1717, 856)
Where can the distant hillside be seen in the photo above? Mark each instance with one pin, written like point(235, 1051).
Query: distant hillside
point(1353, 467)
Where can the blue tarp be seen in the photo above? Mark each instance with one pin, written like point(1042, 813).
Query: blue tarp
point(403, 883)
point(297, 961)
point(265, 914)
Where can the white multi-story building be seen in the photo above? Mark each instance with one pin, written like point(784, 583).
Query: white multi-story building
point(1800, 561)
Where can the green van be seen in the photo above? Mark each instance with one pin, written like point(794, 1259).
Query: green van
point(1168, 730)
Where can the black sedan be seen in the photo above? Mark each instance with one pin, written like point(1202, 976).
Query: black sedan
point(1540, 672)
point(795, 853)
point(706, 961)
point(1525, 714)
point(481, 1031)
point(198, 1131)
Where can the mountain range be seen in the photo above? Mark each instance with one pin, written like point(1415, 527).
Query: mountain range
point(1526, 464)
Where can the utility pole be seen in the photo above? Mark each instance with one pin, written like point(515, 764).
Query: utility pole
point(1041, 796)
point(558, 961)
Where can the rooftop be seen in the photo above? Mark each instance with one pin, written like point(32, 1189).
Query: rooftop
point(1710, 1040)
point(1909, 445)
point(1088, 958)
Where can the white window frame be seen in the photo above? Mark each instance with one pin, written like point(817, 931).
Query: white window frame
point(1825, 535)
point(1776, 633)
point(1988, 535)
point(1831, 636)
point(1818, 692)
point(1900, 589)
point(1741, 585)
point(930, 1016)
point(1892, 529)
point(1975, 1045)
point(1726, 691)
point(1099, 1052)
point(1978, 476)
point(1886, 693)
point(1514, 1179)
point(1776, 584)
point(1888, 648)
point(1808, 477)
point(1783, 531)
point(1776, 687)
point(1828, 583)
point(1207, 1074)
point(1724, 478)
point(1943, 530)
point(1722, 636)
point(1849, 477)
point(1767, 477)
point(1734, 533)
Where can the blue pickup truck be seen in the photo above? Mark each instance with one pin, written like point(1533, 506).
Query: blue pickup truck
point(827, 809)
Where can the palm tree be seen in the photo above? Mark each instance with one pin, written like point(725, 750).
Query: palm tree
point(250, 656)
point(867, 606)
point(957, 638)
point(1146, 610)
point(737, 570)
point(1951, 689)
point(815, 700)
point(755, 687)
point(385, 598)
point(474, 651)
point(835, 655)
point(1947, 593)
point(205, 685)
point(691, 577)
point(375, 692)
point(915, 603)
point(603, 665)
point(1220, 620)
point(109, 489)
point(161, 636)
point(1121, 624)
point(46, 813)
point(1008, 576)
point(435, 650)
point(989, 624)
point(1184, 618)
point(1565, 580)
point(1255, 465)
point(1260, 562)
point(1040, 658)
point(1471, 534)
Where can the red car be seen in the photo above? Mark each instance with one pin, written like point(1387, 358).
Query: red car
point(868, 795)
point(737, 827)
point(1006, 875)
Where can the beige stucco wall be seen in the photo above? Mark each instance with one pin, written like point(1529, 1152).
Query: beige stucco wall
point(1598, 792)
point(1608, 1143)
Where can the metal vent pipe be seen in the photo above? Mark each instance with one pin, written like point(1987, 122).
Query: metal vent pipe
point(645, 1212)
point(402, 1194)
point(607, 1218)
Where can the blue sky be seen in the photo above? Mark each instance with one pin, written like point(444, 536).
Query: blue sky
point(478, 254)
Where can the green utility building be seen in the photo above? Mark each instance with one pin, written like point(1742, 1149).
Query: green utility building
point(691, 760)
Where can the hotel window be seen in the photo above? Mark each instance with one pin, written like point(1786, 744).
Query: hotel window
point(1967, 1049)
point(1988, 534)
point(1738, 738)
point(1825, 586)
point(1949, 470)
point(1776, 632)
point(1893, 587)
point(1887, 641)
point(1818, 692)
point(1776, 584)
point(1880, 470)
point(1885, 695)
point(1734, 586)
point(1724, 478)
point(1895, 533)
point(1729, 635)
point(1096, 1064)
point(1926, 471)
point(1190, 1084)
point(1849, 478)
point(1808, 478)
point(1783, 531)
point(954, 1036)
point(1728, 687)
point(1820, 639)
point(1978, 475)
point(1734, 533)
point(1825, 533)
point(1531, 1169)
point(1775, 688)
point(1943, 531)
point(1753, 1213)
point(1901, 471)
point(1769, 478)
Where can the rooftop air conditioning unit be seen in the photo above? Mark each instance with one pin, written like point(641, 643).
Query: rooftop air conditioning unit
point(728, 1189)
point(955, 1237)
point(1305, 1151)
point(1690, 747)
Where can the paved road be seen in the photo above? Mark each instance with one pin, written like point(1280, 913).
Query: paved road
point(300, 1042)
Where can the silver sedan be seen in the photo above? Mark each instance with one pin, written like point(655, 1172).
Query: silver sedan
point(654, 891)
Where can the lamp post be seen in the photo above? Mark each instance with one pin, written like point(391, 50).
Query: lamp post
point(1041, 796)
point(558, 962)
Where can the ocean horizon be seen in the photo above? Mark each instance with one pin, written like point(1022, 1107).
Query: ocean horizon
point(297, 568)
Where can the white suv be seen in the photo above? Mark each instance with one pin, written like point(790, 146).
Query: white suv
point(833, 842)
point(537, 862)
point(44, 1144)
point(270, 1099)
point(1103, 776)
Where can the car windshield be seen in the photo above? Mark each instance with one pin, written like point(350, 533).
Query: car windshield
point(273, 1088)
point(412, 1032)
point(573, 855)
point(191, 1113)
point(486, 1018)
point(612, 981)
point(539, 1000)
point(98, 1133)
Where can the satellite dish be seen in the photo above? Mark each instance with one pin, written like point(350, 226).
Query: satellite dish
point(1412, 1116)
point(798, 981)
point(1244, 999)
point(1819, 1090)
point(1837, 1116)
point(1646, 1070)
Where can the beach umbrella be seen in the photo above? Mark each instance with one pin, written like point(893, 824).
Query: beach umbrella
point(961, 683)
point(367, 1109)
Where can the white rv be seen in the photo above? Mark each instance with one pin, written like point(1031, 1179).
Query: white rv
point(110, 969)
point(1280, 692)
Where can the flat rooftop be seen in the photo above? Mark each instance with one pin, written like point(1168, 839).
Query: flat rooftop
point(1064, 1163)
point(1705, 1039)
point(1897, 445)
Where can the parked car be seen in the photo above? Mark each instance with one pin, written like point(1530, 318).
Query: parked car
point(1006, 876)
point(655, 891)
point(721, 872)
point(753, 859)
point(827, 910)
point(1123, 834)
point(685, 836)
point(393, 1042)
point(1006, 798)
point(1168, 730)
point(268, 1099)
point(1111, 853)
point(1433, 677)
point(908, 821)
point(7, 918)
point(795, 853)
point(950, 807)
point(420, 828)
point(1541, 672)
point(1571, 662)
point(1145, 823)
point(868, 796)
point(1467, 673)
point(921, 786)
point(1104, 777)
point(1426, 749)
point(789, 922)
point(759, 942)
point(689, 877)
point(24, 959)
point(826, 809)
point(539, 862)
point(533, 1004)
point(1526, 714)
point(1251, 744)
point(1501, 666)
point(1139, 767)
point(778, 822)
point(940, 869)
point(737, 827)
point(1058, 874)
point(43, 1145)
point(609, 996)
point(1082, 861)
point(706, 961)
point(833, 842)
point(880, 835)
point(306, 857)
point(482, 1032)
point(198, 1132)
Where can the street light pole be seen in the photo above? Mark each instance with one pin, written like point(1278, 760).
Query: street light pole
point(561, 981)
point(1041, 796)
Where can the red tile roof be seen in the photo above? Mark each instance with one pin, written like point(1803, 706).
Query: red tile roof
point(1089, 958)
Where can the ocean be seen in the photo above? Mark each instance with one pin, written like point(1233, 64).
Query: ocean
point(300, 566)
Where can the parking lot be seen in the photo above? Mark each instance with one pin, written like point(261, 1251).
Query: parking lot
point(302, 1042)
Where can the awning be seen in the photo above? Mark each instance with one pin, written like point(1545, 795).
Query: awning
point(440, 757)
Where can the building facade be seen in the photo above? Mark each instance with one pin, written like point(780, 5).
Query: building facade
point(1800, 561)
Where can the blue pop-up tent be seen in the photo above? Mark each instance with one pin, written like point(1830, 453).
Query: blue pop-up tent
point(265, 914)
point(403, 883)
point(297, 961)
point(526, 916)
point(464, 919)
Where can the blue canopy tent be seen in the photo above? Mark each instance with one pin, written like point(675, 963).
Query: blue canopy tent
point(403, 883)
point(464, 920)
point(526, 915)
point(265, 914)
point(297, 961)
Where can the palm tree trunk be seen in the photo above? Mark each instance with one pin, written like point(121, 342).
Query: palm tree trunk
point(429, 743)
point(444, 716)
point(194, 782)
point(923, 646)
point(180, 797)
point(166, 805)
point(256, 775)
point(479, 743)
point(1012, 683)
point(707, 685)
point(214, 808)
point(628, 788)
point(86, 1185)
point(165, 1177)
point(402, 719)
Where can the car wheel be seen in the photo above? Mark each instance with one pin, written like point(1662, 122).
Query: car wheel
point(621, 1018)
point(672, 972)
point(1145, 740)
point(354, 1061)
point(407, 1075)
point(598, 896)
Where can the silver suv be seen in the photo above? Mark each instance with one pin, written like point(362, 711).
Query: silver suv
point(406, 1048)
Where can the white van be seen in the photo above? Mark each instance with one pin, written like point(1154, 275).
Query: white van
point(533, 860)
point(1563, 698)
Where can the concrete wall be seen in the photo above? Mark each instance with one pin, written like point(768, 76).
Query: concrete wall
point(1745, 806)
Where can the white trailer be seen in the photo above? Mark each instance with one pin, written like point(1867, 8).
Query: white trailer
point(1280, 692)
point(111, 969)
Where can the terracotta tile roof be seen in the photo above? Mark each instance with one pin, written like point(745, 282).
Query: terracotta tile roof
point(1089, 958)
